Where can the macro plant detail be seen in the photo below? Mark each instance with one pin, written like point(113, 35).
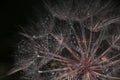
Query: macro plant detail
point(74, 42)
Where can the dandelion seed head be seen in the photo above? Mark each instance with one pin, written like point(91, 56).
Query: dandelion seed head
point(74, 42)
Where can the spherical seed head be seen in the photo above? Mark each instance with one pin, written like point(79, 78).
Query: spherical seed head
point(74, 42)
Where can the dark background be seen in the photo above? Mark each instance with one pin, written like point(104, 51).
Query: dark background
point(12, 14)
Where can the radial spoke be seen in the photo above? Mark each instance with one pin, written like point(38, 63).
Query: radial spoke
point(47, 5)
point(60, 57)
point(109, 22)
point(72, 73)
point(90, 41)
point(84, 40)
point(75, 54)
point(105, 52)
point(27, 36)
point(114, 57)
point(116, 69)
point(56, 57)
point(113, 62)
point(54, 70)
point(60, 38)
point(87, 76)
point(97, 43)
point(78, 40)
point(103, 7)
point(106, 76)
point(68, 61)
point(21, 67)
point(109, 48)
point(110, 59)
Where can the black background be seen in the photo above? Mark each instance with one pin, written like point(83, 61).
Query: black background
point(12, 14)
